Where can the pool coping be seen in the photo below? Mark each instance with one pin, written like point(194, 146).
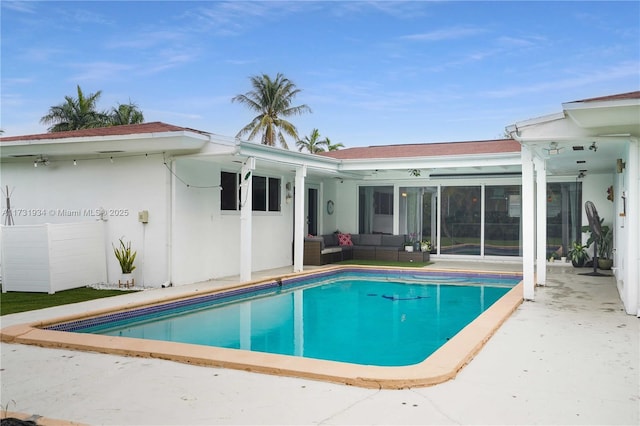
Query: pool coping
point(443, 365)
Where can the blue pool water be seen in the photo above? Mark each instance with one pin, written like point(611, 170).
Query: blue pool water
point(383, 319)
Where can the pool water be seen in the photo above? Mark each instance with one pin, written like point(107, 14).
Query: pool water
point(365, 319)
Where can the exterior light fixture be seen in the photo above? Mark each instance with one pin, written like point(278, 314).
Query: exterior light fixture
point(553, 149)
point(41, 161)
point(593, 147)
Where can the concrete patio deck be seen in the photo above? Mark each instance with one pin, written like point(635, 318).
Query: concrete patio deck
point(570, 357)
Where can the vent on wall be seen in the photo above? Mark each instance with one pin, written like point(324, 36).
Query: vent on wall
point(578, 148)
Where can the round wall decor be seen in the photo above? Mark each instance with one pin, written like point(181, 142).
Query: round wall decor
point(330, 206)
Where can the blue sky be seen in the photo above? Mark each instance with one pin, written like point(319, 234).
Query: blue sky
point(373, 73)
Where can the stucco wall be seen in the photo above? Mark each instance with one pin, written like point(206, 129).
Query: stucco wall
point(64, 193)
point(206, 240)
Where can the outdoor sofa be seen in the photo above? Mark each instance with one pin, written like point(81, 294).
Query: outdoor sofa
point(324, 249)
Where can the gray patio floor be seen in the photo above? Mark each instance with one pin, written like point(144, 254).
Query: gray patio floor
point(570, 357)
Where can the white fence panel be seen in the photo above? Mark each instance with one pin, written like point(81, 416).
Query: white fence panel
point(53, 257)
point(25, 258)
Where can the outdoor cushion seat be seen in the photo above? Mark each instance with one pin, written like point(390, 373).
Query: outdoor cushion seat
point(331, 250)
point(320, 250)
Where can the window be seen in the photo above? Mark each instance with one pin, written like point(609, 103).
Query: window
point(460, 220)
point(274, 195)
point(502, 228)
point(259, 194)
point(375, 213)
point(230, 189)
point(564, 216)
point(265, 195)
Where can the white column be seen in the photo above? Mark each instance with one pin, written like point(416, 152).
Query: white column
point(298, 212)
point(246, 207)
point(541, 220)
point(631, 288)
point(528, 223)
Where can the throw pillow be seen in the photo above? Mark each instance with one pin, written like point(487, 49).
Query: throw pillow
point(344, 240)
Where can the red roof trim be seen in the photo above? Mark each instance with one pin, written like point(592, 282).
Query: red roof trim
point(427, 150)
point(128, 129)
point(618, 97)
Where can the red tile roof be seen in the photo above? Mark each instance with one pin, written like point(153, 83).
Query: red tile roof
point(620, 96)
point(426, 150)
point(129, 129)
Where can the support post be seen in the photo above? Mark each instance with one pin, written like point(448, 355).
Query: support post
point(298, 232)
point(246, 207)
point(541, 220)
point(528, 223)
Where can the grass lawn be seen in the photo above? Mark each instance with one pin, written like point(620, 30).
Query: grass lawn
point(383, 263)
point(14, 301)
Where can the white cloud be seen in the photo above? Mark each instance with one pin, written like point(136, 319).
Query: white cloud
point(144, 40)
point(20, 6)
point(581, 78)
point(445, 34)
point(99, 71)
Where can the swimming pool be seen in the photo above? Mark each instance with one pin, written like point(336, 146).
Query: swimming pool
point(403, 302)
point(367, 317)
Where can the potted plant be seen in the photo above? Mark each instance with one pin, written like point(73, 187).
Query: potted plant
point(578, 254)
point(605, 248)
point(126, 256)
point(410, 244)
point(425, 246)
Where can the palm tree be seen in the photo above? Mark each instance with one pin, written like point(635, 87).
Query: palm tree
point(126, 114)
point(334, 146)
point(271, 99)
point(76, 114)
point(312, 143)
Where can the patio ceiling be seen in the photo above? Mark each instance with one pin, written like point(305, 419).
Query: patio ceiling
point(588, 135)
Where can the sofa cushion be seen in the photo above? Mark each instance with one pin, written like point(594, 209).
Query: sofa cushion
point(344, 240)
point(370, 239)
point(330, 240)
point(331, 250)
point(392, 240)
point(355, 239)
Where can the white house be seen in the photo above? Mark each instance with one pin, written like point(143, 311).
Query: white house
point(197, 206)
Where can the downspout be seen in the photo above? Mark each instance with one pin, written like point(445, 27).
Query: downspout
point(171, 187)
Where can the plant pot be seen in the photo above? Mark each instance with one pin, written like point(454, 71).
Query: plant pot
point(577, 263)
point(126, 280)
point(408, 249)
point(605, 263)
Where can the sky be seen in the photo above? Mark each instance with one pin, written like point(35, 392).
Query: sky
point(373, 73)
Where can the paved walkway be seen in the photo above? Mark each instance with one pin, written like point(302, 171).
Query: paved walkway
point(570, 357)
